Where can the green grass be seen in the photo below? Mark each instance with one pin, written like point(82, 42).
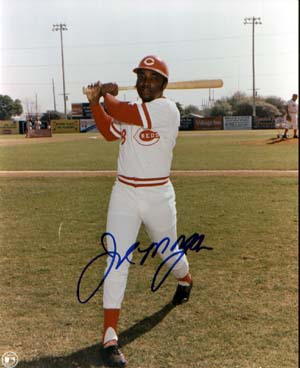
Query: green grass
point(194, 151)
point(243, 309)
point(232, 151)
point(66, 152)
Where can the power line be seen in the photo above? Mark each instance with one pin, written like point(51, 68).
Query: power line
point(126, 62)
point(80, 83)
point(148, 43)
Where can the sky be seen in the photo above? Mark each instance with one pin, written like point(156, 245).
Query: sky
point(105, 40)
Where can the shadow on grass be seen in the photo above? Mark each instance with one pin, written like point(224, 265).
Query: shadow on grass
point(90, 357)
point(278, 140)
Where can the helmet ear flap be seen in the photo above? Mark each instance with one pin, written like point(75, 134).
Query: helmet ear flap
point(164, 83)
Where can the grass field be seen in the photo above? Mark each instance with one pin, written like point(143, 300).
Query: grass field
point(197, 150)
point(243, 308)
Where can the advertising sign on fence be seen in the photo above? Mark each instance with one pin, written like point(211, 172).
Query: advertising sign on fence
point(65, 126)
point(88, 125)
point(263, 123)
point(81, 110)
point(237, 122)
point(77, 110)
point(208, 123)
point(280, 122)
point(186, 123)
point(9, 127)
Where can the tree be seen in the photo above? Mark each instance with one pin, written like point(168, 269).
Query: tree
point(180, 108)
point(264, 109)
point(221, 107)
point(191, 109)
point(9, 107)
point(243, 108)
point(278, 102)
point(241, 104)
point(51, 115)
point(237, 98)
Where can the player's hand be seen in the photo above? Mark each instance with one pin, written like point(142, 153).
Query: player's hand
point(111, 88)
point(288, 117)
point(93, 93)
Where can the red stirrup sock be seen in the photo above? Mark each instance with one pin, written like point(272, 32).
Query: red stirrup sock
point(186, 280)
point(111, 318)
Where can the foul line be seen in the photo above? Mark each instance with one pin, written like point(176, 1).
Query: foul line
point(112, 173)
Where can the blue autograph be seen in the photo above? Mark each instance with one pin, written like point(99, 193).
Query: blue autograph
point(192, 243)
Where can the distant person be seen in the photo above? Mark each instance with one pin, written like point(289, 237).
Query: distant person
point(38, 124)
point(291, 116)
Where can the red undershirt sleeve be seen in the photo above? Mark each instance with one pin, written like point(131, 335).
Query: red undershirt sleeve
point(130, 114)
point(105, 123)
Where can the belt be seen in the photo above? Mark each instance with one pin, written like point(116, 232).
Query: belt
point(142, 182)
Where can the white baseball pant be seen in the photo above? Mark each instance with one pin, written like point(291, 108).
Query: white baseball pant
point(128, 208)
point(293, 123)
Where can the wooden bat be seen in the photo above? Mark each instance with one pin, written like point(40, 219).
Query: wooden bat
point(192, 84)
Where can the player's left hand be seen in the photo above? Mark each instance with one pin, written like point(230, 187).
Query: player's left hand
point(111, 88)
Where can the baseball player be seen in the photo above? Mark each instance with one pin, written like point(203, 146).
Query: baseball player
point(291, 116)
point(143, 192)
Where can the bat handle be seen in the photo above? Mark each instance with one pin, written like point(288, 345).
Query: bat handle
point(107, 87)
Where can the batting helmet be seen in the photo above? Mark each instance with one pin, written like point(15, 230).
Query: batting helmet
point(154, 63)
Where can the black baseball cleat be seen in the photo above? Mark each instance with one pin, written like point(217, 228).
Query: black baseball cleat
point(113, 357)
point(284, 136)
point(182, 294)
point(295, 136)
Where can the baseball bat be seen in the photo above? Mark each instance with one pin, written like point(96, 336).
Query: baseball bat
point(192, 84)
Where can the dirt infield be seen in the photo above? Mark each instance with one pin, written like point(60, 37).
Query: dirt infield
point(12, 141)
point(21, 140)
point(111, 173)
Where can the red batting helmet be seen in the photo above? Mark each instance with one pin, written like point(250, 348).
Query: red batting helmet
point(154, 63)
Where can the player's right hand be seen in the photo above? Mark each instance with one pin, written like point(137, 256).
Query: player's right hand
point(93, 93)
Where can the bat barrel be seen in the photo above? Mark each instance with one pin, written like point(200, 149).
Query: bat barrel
point(126, 88)
point(195, 84)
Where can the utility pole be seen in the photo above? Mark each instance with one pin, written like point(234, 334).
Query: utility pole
point(36, 108)
point(211, 97)
point(53, 89)
point(62, 27)
point(253, 21)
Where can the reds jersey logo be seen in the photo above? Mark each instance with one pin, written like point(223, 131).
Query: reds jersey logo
point(146, 137)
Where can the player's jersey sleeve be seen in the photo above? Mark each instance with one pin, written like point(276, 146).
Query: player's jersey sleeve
point(123, 111)
point(115, 129)
point(105, 124)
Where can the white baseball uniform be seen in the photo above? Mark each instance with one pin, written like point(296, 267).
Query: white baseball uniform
point(142, 192)
point(293, 111)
